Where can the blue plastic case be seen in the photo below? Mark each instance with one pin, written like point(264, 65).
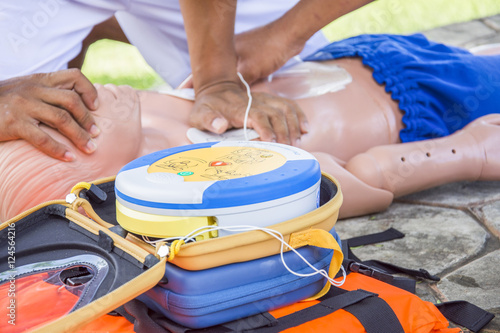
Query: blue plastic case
point(199, 299)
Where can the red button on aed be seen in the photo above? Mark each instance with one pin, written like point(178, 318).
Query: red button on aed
point(218, 163)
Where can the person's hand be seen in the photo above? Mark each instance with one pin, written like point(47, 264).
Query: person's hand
point(222, 106)
point(264, 50)
point(62, 100)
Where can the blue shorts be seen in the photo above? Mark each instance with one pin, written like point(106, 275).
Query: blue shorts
point(439, 88)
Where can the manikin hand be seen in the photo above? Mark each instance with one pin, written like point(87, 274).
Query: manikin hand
point(264, 50)
point(222, 106)
point(62, 100)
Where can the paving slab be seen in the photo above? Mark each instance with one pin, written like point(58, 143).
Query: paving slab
point(490, 216)
point(424, 291)
point(460, 194)
point(462, 34)
point(436, 239)
point(492, 39)
point(477, 282)
point(493, 22)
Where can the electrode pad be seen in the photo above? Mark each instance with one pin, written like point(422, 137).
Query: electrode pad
point(174, 191)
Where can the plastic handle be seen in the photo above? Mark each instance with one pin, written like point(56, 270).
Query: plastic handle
point(89, 210)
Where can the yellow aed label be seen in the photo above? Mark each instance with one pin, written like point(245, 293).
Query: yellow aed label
point(219, 163)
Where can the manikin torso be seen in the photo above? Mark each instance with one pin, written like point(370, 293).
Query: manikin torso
point(341, 124)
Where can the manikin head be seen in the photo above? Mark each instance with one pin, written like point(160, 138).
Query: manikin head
point(29, 177)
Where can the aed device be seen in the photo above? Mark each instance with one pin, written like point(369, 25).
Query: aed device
point(172, 192)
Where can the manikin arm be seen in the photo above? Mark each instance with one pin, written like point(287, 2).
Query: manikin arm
point(359, 197)
point(372, 179)
point(470, 154)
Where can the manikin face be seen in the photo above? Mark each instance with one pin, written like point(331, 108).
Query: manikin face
point(118, 117)
point(29, 177)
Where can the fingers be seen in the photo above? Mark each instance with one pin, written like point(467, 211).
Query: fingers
point(72, 105)
point(45, 143)
point(205, 118)
point(73, 79)
point(285, 120)
point(274, 125)
point(260, 121)
point(61, 100)
point(61, 120)
point(274, 118)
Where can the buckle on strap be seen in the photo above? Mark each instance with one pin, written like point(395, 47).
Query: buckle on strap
point(370, 271)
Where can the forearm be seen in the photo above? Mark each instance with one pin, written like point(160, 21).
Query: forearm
point(209, 26)
point(309, 16)
point(221, 99)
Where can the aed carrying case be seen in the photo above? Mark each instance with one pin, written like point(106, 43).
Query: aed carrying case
point(63, 269)
point(198, 299)
point(118, 266)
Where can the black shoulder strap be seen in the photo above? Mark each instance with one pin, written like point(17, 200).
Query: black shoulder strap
point(380, 237)
point(394, 269)
point(400, 282)
point(462, 313)
point(374, 313)
point(379, 269)
point(374, 238)
point(465, 314)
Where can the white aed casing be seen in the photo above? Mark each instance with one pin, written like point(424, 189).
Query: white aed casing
point(174, 191)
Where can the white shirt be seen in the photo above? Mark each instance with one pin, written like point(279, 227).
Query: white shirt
point(44, 35)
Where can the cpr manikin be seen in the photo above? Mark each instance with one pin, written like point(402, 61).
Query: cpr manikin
point(354, 133)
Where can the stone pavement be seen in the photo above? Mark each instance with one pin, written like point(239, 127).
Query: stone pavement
point(453, 230)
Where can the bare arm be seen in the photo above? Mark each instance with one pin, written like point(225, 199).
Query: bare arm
point(308, 16)
point(221, 98)
point(285, 38)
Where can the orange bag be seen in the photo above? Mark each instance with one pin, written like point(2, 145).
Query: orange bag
point(364, 303)
point(413, 314)
point(108, 324)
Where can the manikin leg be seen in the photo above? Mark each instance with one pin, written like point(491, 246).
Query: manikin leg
point(472, 153)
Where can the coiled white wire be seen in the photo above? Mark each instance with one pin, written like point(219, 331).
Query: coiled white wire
point(249, 105)
point(240, 228)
